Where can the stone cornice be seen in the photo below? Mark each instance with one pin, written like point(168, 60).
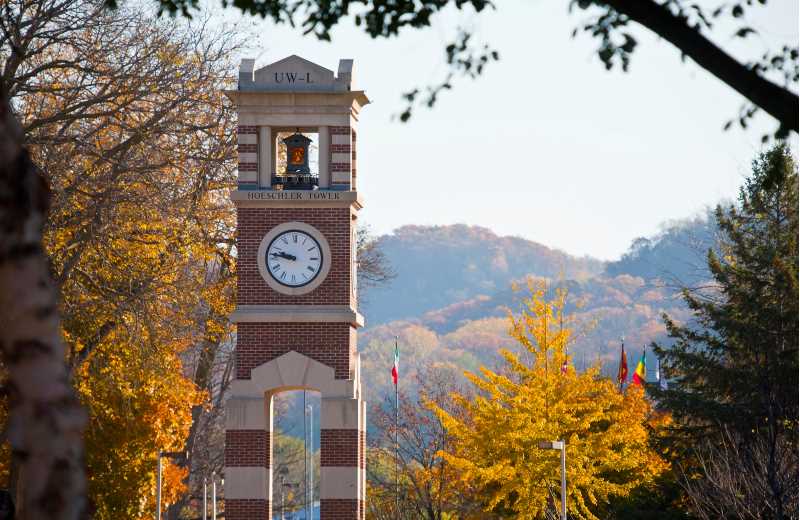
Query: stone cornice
point(297, 314)
point(296, 199)
point(272, 100)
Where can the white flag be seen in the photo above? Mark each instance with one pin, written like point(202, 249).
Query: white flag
point(662, 383)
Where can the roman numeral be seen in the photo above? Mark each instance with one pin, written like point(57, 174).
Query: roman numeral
point(294, 237)
point(283, 275)
point(285, 240)
point(313, 258)
point(292, 278)
point(275, 267)
point(312, 248)
point(310, 268)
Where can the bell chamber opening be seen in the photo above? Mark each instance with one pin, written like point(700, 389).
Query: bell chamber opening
point(297, 160)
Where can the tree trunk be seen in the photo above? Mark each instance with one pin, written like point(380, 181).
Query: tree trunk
point(45, 419)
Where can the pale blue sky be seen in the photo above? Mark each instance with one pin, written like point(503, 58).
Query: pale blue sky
point(547, 145)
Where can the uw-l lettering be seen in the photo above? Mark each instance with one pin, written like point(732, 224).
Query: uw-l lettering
point(292, 77)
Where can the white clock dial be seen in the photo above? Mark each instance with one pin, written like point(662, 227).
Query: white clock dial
point(294, 258)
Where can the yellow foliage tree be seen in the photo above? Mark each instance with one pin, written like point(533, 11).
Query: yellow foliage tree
point(538, 396)
point(124, 115)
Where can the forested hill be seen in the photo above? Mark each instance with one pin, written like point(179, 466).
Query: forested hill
point(450, 300)
point(440, 265)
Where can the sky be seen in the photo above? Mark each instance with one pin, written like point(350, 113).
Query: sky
point(547, 144)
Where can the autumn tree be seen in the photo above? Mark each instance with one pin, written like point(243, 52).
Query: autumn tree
point(124, 115)
point(734, 364)
point(537, 395)
point(413, 473)
point(45, 421)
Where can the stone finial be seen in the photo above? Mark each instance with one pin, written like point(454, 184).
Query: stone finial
point(345, 73)
point(246, 72)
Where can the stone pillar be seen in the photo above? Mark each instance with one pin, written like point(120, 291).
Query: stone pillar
point(266, 160)
point(248, 454)
point(324, 158)
point(341, 459)
point(363, 433)
point(340, 157)
point(353, 160)
point(247, 139)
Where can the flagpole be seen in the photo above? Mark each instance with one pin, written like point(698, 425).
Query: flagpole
point(396, 438)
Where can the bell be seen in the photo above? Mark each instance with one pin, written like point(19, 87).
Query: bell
point(297, 153)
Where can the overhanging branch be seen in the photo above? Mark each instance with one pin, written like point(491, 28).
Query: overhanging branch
point(779, 102)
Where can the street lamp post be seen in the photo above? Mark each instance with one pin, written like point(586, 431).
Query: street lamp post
point(205, 498)
point(561, 446)
point(172, 455)
point(309, 463)
point(213, 496)
point(158, 487)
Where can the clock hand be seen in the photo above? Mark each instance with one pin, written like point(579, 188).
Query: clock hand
point(285, 255)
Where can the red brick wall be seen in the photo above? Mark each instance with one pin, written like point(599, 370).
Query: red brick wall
point(340, 508)
point(363, 448)
point(339, 447)
point(332, 344)
point(247, 509)
point(249, 448)
point(254, 223)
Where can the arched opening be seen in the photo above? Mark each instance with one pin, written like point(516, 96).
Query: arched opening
point(296, 455)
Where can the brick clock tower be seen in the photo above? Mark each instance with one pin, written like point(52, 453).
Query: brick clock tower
point(296, 310)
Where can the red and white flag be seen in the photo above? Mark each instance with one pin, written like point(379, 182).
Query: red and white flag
point(396, 366)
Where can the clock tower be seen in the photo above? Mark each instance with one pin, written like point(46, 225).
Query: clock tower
point(296, 312)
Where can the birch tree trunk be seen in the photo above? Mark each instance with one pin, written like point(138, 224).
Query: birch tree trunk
point(45, 421)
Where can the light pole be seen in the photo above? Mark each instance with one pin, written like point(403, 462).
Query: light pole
point(158, 487)
point(213, 495)
point(172, 455)
point(562, 447)
point(309, 463)
point(205, 498)
point(283, 472)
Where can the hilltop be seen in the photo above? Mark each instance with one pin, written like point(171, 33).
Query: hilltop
point(450, 301)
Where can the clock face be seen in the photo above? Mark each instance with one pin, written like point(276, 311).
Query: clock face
point(294, 258)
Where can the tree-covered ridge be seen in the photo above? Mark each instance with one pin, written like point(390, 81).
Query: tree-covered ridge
point(466, 336)
point(676, 254)
point(621, 298)
point(439, 265)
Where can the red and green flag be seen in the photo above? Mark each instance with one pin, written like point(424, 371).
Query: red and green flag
point(396, 366)
point(622, 371)
point(640, 374)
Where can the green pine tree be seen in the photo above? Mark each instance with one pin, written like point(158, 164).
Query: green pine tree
point(734, 368)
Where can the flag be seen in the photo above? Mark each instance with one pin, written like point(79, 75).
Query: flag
point(640, 374)
point(396, 366)
point(622, 373)
point(662, 383)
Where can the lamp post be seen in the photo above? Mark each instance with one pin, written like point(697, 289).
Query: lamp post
point(205, 498)
point(309, 463)
point(561, 446)
point(283, 472)
point(213, 495)
point(172, 455)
